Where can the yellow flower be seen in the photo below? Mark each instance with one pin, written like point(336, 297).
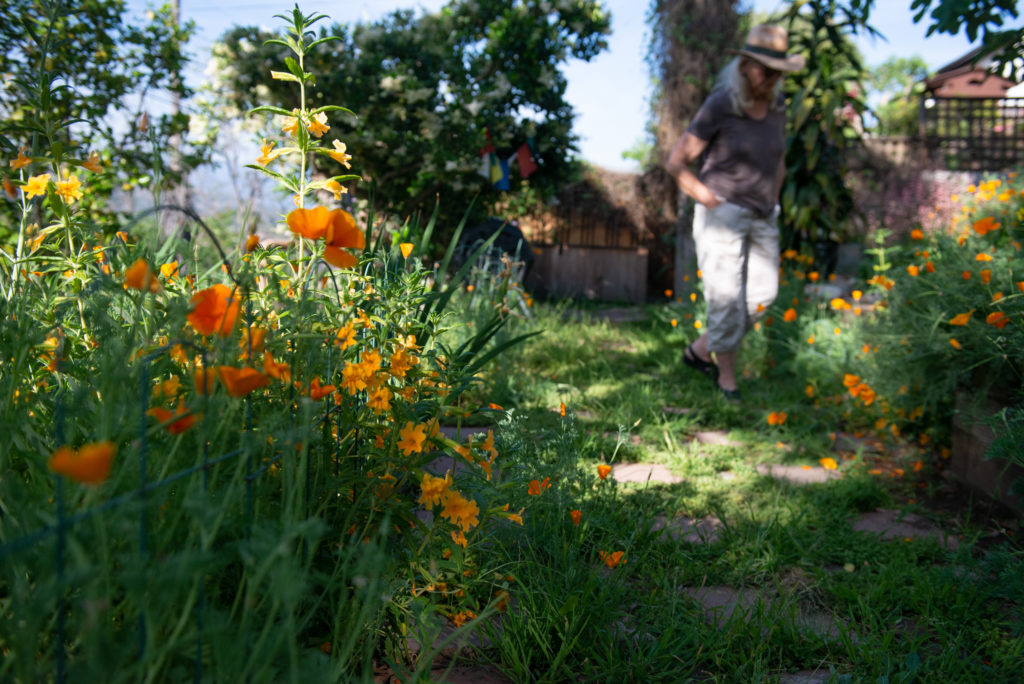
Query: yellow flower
point(981, 256)
point(290, 125)
point(380, 400)
point(36, 186)
point(93, 162)
point(460, 510)
point(267, 153)
point(70, 190)
point(318, 124)
point(412, 438)
point(339, 155)
point(828, 463)
point(337, 188)
point(406, 249)
point(21, 161)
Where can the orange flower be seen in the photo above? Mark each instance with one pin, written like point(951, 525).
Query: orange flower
point(318, 392)
point(612, 560)
point(913, 270)
point(961, 319)
point(412, 438)
point(966, 275)
point(929, 267)
point(986, 275)
point(278, 371)
point(603, 470)
point(252, 242)
point(917, 234)
point(342, 233)
point(998, 319)
point(828, 463)
point(561, 409)
point(789, 316)
point(840, 304)
point(214, 309)
point(241, 381)
point(576, 515)
point(309, 223)
point(21, 160)
point(204, 379)
point(140, 276)
point(177, 427)
point(982, 256)
point(535, 487)
point(955, 343)
point(985, 225)
point(90, 464)
point(777, 417)
point(406, 249)
point(849, 380)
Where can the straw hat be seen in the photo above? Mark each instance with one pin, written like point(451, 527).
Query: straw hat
point(767, 44)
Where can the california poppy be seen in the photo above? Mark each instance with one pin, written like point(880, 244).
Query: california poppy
point(177, 427)
point(603, 470)
point(214, 309)
point(241, 381)
point(140, 276)
point(309, 223)
point(90, 464)
point(342, 233)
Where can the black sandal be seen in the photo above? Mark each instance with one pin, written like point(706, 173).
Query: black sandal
point(708, 369)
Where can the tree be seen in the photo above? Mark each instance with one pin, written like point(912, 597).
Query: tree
point(974, 16)
point(97, 61)
point(898, 82)
point(430, 92)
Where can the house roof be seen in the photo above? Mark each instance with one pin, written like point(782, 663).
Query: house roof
point(968, 76)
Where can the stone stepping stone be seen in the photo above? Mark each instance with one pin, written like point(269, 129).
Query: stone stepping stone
point(892, 524)
point(692, 530)
point(847, 442)
point(720, 603)
point(644, 472)
point(677, 410)
point(803, 677)
point(797, 475)
point(716, 438)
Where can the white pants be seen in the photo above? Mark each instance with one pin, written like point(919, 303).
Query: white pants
point(738, 255)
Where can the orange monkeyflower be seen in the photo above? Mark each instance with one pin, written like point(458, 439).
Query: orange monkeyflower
point(214, 309)
point(982, 256)
point(178, 426)
point(777, 417)
point(413, 435)
point(70, 189)
point(21, 160)
point(917, 234)
point(433, 489)
point(93, 162)
point(674, 322)
point(89, 464)
point(36, 186)
point(252, 242)
point(913, 270)
point(961, 319)
point(405, 248)
point(809, 391)
point(309, 223)
point(536, 487)
point(317, 124)
point(828, 463)
point(318, 391)
point(241, 381)
point(955, 343)
point(998, 319)
point(342, 233)
point(401, 362)
point(986, 275)
point(267, 153)
point(576, 515)
point(612, 560)
point(139, 276)
point(379, 399)
point(346, 336)
point(789, 254)
point(603, 470)
point(790, 315)
point(340, 153)
point(460, 510)
point(169, 270)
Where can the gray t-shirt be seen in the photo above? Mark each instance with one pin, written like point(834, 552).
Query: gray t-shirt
point(741, 162)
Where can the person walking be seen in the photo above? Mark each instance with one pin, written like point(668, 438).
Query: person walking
point(740, 131)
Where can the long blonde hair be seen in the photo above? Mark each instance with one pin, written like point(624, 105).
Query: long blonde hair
point(732, 81)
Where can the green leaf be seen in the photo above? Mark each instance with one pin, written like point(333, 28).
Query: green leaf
point(284, 76)
point(271, 110)
point(275, 175)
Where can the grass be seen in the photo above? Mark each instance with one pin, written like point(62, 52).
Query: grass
point(899, 610)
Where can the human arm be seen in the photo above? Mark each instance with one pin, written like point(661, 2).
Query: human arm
point(686, 150)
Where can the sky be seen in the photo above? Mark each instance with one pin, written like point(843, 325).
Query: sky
point(610, 93)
